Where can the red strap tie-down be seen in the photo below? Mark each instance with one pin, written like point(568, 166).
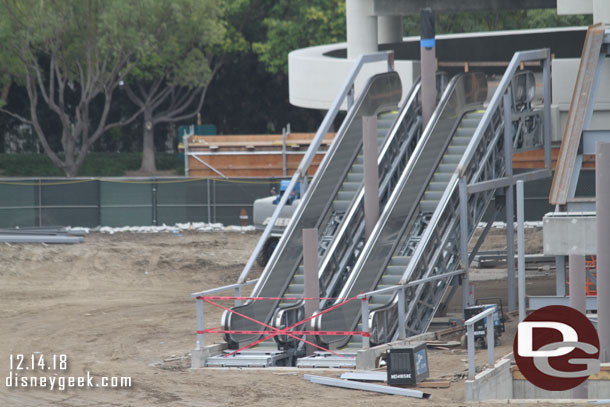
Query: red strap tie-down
point(276, 331)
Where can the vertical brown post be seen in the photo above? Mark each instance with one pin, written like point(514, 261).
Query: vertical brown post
point(371, 173)
point(310, 265)
point(427, 64)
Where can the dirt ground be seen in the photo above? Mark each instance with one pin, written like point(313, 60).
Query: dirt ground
point(120, 305)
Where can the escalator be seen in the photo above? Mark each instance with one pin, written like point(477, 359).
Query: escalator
point(322, 207)
point(405, 221)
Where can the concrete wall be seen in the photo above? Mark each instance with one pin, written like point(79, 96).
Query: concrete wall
point(491, 384)
point(314, 80)
point(565, 234)
point(598, 387)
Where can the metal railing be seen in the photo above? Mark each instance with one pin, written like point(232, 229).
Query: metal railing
point(347, 91)
point(488, 313)
point(199, 304)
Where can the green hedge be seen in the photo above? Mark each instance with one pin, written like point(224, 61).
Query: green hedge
point(96, 165)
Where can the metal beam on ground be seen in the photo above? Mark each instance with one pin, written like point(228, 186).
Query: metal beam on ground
point(15, 238)
point(378, 388)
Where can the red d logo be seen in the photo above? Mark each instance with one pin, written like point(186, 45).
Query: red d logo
point(556, 348)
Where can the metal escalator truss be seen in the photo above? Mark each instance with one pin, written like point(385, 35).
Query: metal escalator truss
point(443, 247)
point(349, 239)
point(382, 93)
point(399, 224)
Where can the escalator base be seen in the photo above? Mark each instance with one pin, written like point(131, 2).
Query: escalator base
point(328, 360)
point(251, 359)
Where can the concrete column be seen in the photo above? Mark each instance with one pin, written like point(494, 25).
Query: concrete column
point(389, 29)
point(361, 27)
point(601, 11)
point(602, 190)
point(371, 173)
point(312, 282)
point(578, 298)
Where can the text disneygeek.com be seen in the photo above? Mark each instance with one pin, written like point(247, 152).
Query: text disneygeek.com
point(26, 371)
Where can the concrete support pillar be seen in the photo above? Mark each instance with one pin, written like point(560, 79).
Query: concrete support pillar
point(371, 173)
point(361, 27)
point(602, 191)
point(312, 282)
point(389, 29)
point(601, 11)
point(578, 301)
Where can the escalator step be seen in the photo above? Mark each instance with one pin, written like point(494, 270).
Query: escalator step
point(357, 168)
point(456, 150)
point(446, 168)
point(340, 206)
point(433, 195)
point(390, 279)
point(295, 289)
point(359, 159)
point(345, 195)
point(395, 270)
point(400, 260)
point(428, 206)
point(460, 140)
point(298, 279)
point(354, 177)
point(350, 186)
point(451, 159)
point(443, 177)
point(437, 186)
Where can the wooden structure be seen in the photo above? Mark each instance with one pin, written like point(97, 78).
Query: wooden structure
point(247, 156)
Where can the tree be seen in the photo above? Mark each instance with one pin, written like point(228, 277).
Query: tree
point(70, 55)
point(170, 82)
point(292, 25)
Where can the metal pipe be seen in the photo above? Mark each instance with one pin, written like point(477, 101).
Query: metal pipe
point(402, 333)
point(510, 232)
point(200, 325)
point(578, 300)
point(284, 137)
point(470, 340)
point(521, 248)
point(237, 293)
point(366, 342)
point(491, 340)
point(464, 258)
point(602, 188)
point(371, 173)
point(546, 79)
point(310, 270)
point(560, 276)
